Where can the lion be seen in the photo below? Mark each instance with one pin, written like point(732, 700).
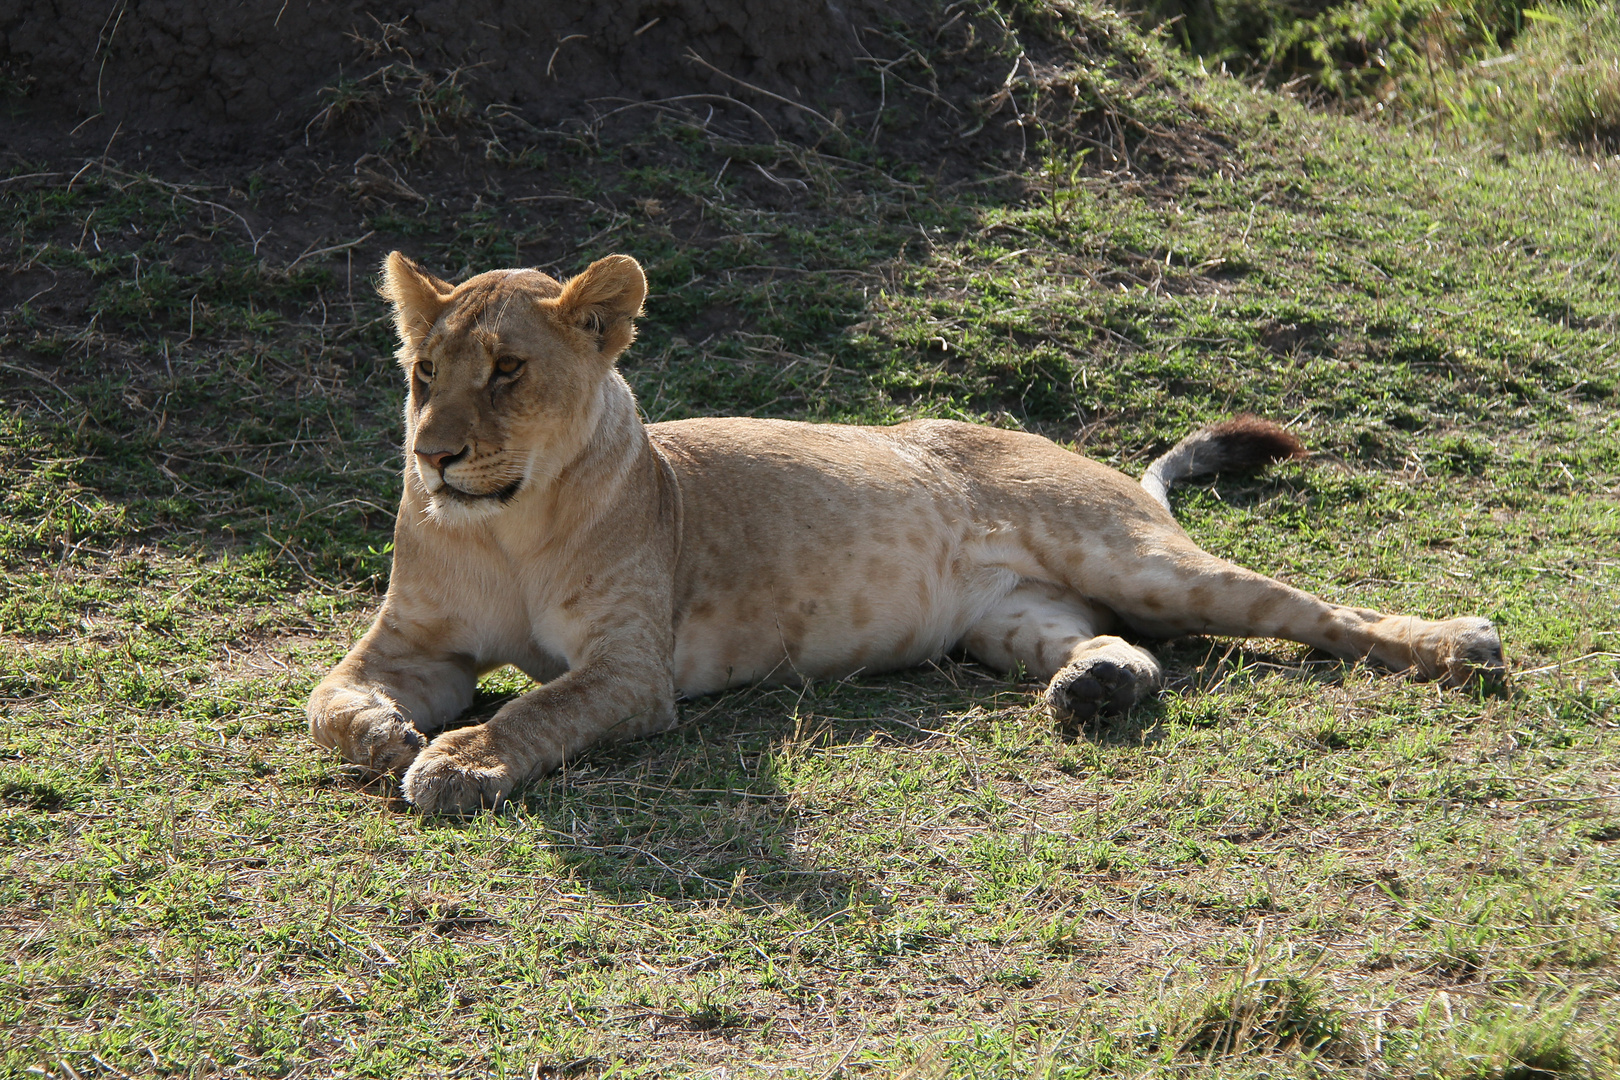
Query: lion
point(627, 566)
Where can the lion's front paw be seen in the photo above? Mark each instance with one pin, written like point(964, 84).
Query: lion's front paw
point(1106, 683)
point(459, 773)
point(1472, 650)
point(367, 730)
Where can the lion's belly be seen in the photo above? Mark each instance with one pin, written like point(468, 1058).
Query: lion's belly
point(815, 551)
point(861, 609)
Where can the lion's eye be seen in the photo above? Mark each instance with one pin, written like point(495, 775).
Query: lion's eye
point(508, 365)
point(424, 370)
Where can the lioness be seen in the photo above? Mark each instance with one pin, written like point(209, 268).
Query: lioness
point(623, 565)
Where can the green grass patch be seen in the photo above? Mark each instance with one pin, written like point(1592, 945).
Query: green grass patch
point(1499, 71)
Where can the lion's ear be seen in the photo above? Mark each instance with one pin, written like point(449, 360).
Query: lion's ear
point(603, 302)
point(418, 297)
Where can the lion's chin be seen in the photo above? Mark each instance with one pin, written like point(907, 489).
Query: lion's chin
point(452, 506)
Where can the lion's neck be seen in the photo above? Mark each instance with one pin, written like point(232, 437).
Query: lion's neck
point(572, 491)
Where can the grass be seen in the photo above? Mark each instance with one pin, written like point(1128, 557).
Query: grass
point(1521, 74)
point(1559, 85)
point(1285, 867)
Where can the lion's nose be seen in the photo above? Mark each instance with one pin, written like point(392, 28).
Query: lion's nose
point(439, 459)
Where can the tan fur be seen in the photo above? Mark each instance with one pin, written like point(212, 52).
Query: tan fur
point(623, 565)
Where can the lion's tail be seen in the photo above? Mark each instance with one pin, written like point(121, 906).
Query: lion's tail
point(1242, 443)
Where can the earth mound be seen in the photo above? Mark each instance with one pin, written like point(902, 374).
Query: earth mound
point(224, 83)
point(236, 69)
point(291, 146)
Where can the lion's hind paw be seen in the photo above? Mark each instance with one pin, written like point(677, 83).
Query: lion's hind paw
point(1474, 653)
point(1098, 686)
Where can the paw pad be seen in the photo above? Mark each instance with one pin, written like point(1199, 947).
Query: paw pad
point(1087, 691)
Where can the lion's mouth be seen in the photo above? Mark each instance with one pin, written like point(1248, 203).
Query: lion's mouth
point(504, 494)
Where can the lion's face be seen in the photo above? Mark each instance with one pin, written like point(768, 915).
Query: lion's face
point(504, 374)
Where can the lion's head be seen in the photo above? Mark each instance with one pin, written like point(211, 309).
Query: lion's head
point(504, 372)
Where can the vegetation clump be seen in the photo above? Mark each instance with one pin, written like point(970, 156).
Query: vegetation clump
point(1528, 74)
point(1260, 1014)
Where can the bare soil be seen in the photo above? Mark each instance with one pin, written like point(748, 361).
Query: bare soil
point(324, 134)
point(236, 73)
point(225, 82)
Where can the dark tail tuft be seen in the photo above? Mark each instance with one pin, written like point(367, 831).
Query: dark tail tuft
point(1248, 442)
point(1243, 443)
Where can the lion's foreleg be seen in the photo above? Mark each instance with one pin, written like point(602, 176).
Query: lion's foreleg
point(380, 701)
point(607, 699)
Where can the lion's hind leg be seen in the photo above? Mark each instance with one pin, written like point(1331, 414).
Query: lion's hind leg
point(1055, 636)
point(1170, 589)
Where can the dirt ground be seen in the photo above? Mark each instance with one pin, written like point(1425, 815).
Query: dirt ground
point(243, 79)
point(223, 84)
point(325, 134)
point(307, 123)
